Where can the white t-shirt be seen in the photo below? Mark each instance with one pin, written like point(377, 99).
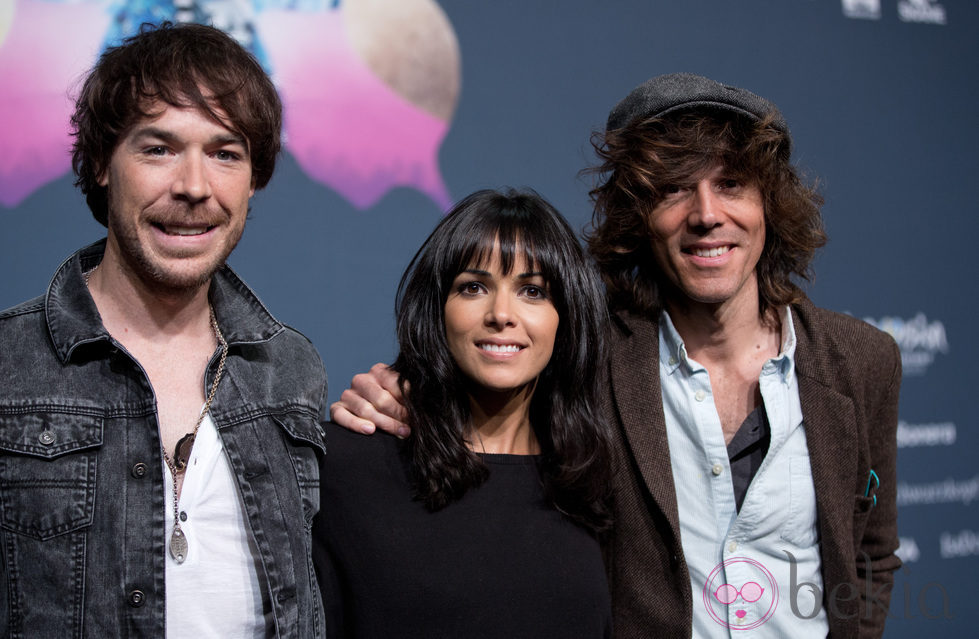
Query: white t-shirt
point(216, 592)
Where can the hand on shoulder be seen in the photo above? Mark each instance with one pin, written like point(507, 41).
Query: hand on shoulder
point(373, 401)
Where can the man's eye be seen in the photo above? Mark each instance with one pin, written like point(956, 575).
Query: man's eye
point(730, 183)
point(227, 156)
point(155, 150)
point(671, 189)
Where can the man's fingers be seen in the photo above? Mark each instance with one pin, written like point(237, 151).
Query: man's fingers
point(343, 417)
point(380, 388)
point(366, 406)
point(372, 401)
point(385, 378)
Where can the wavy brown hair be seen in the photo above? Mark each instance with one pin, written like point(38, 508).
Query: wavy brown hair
point(186, 65)
point(640, 161)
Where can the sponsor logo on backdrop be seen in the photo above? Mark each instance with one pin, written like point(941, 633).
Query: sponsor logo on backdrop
point(949, 491)
point(961, 544)
point(916, 435)
point(907, 550)
point(920, 340)
point(926, 11)
point(863, 9)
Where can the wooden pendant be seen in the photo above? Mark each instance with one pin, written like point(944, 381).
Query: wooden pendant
point(181, 452)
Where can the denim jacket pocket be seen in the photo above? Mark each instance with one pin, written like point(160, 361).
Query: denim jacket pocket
point(48, 463)
point(305, 443)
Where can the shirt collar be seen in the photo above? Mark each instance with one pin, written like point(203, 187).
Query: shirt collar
point(786, 357)
point(73, 319)
point(673, 352)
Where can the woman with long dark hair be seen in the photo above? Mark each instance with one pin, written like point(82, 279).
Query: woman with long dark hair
point(484, 522)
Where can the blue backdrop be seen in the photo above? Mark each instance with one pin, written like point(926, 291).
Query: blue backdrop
point(880, 98)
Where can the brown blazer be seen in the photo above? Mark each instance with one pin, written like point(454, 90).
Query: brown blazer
point(849, 374)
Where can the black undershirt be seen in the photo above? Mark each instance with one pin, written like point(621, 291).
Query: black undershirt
point(747, 450)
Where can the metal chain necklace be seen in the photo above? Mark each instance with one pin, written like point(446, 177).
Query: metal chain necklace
point(181, 453)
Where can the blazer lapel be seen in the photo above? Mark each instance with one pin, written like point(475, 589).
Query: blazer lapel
point(831, 437)
point(638, 402)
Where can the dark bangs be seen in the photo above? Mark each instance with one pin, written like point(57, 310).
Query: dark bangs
point(467, 237)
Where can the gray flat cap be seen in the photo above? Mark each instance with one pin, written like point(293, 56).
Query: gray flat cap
point(673, 91)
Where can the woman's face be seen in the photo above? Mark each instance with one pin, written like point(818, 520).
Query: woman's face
point(500, 328)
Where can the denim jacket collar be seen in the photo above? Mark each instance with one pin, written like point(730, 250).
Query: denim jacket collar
point(73, 319)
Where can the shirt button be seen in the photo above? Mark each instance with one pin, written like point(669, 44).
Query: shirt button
point(136, 598)
point(717, 469)
point(699, 395)
point(183, 515)
point(672, 361)
point(732, 546)
point(139, 470)
point(46, 438)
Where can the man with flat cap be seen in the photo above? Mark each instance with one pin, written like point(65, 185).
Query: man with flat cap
point(756, 434)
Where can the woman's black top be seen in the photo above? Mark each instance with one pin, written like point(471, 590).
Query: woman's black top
point(499, 563)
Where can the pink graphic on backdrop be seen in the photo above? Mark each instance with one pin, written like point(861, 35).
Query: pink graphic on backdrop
point(752, 601)
point(368, 88)
point(38, 66)
point(345, 127)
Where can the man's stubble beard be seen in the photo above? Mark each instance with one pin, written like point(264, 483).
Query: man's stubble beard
point(135, 259)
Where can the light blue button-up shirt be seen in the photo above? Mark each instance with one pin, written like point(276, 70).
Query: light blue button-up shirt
point(757, 570)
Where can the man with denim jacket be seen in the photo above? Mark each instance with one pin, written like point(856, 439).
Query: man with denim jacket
point(159, 436)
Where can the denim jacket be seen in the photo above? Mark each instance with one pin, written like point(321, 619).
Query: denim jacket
point(82, 512)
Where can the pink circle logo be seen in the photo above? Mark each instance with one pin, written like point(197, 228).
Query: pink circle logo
point(745, 604)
